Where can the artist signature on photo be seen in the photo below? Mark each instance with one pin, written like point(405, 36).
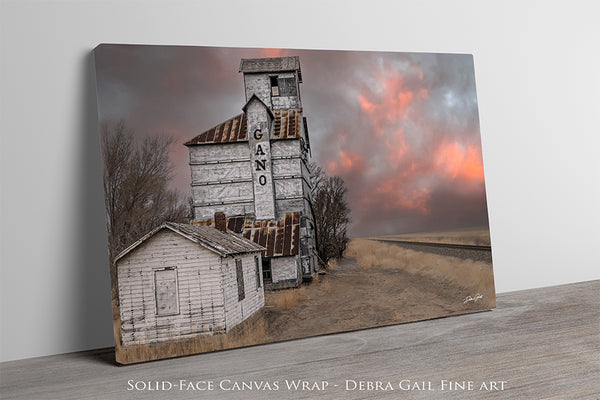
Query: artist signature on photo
point(474, 299)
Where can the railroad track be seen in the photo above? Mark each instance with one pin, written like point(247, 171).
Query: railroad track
point(446, 245)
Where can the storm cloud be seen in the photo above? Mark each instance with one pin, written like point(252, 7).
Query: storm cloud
point(402, 129)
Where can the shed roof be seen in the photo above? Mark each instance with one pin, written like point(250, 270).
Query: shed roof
point(222, 243)
point(287, 125)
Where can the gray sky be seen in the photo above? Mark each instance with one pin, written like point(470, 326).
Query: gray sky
point(402, 129)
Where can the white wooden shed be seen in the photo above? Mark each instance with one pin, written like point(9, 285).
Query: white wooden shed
point(180, 281)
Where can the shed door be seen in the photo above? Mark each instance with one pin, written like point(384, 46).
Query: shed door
point(165, 287)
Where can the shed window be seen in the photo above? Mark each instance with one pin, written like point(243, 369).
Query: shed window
point(166, 292)
point(287, 87)
point(266, 264)
point(274, 86)
point(283, 86)
point(240, 279)
point(257, 270)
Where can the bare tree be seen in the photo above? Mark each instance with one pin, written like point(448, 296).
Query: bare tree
point(332, 214)
point(136, 179)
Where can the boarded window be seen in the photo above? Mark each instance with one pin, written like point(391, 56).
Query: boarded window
point(257, 270)
point(287, 86)
point(165, 290)
point(240, 280)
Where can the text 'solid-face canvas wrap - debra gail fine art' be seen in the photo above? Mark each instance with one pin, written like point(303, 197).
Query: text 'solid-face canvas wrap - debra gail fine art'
point(260, 195)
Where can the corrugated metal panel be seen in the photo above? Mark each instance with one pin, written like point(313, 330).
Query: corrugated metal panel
point(280, 238)
point(230, 131)
point(286, 126)
point(287, 123)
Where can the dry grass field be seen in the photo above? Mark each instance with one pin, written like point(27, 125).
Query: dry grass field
point(251, 331)
point(473, 236)
point(473, 276)
point(284, 299)
point(379, 284)
point(375, 284)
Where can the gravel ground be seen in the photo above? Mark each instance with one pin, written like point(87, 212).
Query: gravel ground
point(465, 254)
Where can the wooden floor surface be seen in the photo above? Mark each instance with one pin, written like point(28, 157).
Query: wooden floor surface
point(542, 343)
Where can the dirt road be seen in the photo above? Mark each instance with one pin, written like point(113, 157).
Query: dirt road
point(350, 298)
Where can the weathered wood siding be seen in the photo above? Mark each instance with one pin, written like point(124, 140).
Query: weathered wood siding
point(199, 283)
point(208, 211)
point(287, 167)
point(286, 148)
point(221, 179)
point(293, 194)
point(305, 171)
point(289, 174)
point(290, 187)
point(254, 300)
point(237, 192)
point(222, 172)
point(284, 206)
point(260, 85)
point(219, 153)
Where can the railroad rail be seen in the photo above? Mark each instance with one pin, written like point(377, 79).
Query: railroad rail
point(447, 245)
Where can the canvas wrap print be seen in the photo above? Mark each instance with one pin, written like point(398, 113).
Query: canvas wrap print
point(260, 195)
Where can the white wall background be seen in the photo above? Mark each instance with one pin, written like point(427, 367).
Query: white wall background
point(538, 79)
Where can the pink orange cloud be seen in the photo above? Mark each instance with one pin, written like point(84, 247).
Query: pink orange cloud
point(455, 162)
point(387, 106)
point(346, 164)
point(396, 147)
point(399, 194)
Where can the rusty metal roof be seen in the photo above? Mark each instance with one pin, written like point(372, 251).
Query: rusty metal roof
point(232, 130)
point(222, 243)
point(274, 64)
point(280, 237)
point(287, 125)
